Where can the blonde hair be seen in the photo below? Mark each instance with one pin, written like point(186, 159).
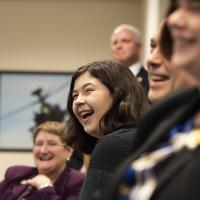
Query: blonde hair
point(53, 127)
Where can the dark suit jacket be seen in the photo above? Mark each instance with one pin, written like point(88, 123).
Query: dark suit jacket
point(66, 187)
point(142, 77)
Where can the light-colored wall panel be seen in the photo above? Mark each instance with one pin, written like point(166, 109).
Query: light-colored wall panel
point(60, 34)
point(14, 158)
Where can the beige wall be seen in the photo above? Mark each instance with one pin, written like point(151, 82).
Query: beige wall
point(60, 34)
point(14, 158)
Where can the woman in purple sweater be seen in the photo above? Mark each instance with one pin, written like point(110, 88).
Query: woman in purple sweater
point(51, 179)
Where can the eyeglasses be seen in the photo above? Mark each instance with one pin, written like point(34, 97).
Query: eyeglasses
point(49, 144)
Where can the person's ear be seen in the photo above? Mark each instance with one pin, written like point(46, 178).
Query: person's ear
point(70, 151)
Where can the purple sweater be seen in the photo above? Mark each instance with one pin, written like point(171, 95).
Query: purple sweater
point(66, 187)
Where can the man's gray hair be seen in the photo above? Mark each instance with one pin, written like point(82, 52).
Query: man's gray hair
point(133, 29)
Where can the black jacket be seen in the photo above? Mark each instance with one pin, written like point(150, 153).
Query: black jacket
point(142, 77)
point(180, 177)
point(108, 154)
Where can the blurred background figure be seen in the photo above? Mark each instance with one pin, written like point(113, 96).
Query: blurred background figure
point(161, 80)
point(126, 47)
point(51, 178)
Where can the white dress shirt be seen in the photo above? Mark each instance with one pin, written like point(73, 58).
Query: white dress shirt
point(135, 68)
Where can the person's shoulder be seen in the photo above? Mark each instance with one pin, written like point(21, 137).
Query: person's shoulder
point(17, 171)
point(171, 103)
point(120, 135)
point(76, 174)
point(163, 115)
point(73, 177)
point(112, 149)
point(117, 137)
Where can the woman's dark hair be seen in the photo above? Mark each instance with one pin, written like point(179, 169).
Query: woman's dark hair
point(172, 7)
point(129, 102)
point(166, 42)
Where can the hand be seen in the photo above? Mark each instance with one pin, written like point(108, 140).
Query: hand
point(39, 182)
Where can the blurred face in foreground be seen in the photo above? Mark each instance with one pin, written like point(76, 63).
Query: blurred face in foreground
point(184, 24)
point(160, 80)
point(163, 76)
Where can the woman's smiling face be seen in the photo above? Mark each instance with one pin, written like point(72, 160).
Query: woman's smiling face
point(160, 80)
point(50, 154)
point(91, 100)
point(184, 24)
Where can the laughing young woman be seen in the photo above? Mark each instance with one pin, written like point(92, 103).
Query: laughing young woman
point(105, 104)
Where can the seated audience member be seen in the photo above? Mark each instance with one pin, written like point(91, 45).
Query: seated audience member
point(161, 81)
point(166, 162)
point(51, 179)
point(105, 104)
point(126, 47)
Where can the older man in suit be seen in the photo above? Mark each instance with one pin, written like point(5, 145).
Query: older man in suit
point(126, 46)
